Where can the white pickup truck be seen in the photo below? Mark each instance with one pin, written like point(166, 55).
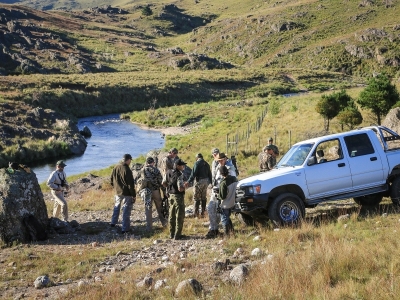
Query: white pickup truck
point(362, 164)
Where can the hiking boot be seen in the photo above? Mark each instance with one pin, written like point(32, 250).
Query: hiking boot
point(180, 237)
point(212, 234)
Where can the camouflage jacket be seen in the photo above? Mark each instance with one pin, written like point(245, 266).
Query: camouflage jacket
point(267, 162)
point(166, 164)
point(153, 176)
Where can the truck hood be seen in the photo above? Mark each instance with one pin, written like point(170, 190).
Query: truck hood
point(273, 178)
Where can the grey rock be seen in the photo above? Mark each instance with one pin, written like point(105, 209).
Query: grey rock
point(188, 287)
point(42, 281)
point(239, 274)
point(21, 201)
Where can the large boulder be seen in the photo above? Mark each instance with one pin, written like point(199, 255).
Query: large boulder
point(392, 120)
point(23, 213)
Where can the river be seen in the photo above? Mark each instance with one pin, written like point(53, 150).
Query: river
point(111, 139)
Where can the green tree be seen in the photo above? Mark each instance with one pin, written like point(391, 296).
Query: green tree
point(146, 11)
point(350, 116)
point(379, 96)
point(328, 107)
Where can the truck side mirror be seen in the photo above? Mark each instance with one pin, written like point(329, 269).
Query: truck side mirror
point(312, 161)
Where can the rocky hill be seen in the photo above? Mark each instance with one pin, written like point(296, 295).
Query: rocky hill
point(356, 37)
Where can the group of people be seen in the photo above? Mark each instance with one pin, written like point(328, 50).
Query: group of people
point(169, 180)
point(267, 158)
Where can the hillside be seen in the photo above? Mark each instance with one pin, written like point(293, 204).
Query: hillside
point(354, 37)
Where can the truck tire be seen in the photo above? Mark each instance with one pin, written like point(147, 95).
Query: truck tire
point(395, 191)
point(369, 200)
point(245, 219)
point(286, 210)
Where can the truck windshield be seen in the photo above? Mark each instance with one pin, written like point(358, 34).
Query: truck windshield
point(295, 156)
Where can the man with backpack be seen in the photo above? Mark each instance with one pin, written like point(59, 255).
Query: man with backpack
point(201, 175)
point(148, 186)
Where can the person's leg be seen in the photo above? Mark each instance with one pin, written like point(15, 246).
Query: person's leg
point(196, 197)
point(203, 196)
point(172, 216)
point(226, 221)
point(145, 194)
point(180, 215)
point(212, 212)
point(117, 208)
point(156, 197)
point(60, 205)
point(126, 206)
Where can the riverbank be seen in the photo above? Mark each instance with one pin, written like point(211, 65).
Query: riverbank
point(165, 131)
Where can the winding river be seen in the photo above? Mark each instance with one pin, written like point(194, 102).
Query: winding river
point(111, 139)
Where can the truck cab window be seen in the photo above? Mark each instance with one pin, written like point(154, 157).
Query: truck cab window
point(358, 145)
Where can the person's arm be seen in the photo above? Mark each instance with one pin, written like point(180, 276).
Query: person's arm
point(50, 182)
point(193, 174)
point(180, 183)
point(223, 190)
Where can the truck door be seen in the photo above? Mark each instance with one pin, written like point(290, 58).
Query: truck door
point(330, 173)
point(365, 162)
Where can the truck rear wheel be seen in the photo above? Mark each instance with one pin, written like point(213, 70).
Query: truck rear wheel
point(369, 200)
point(286, 209)
point(395, 191)
point(245, 219)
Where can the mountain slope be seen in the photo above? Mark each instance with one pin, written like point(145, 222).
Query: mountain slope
point(356, 38)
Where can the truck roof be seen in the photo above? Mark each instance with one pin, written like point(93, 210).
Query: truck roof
point(335, 135)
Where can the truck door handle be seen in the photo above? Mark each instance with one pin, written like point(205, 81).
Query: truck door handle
point(373, 158)
point(341, 165)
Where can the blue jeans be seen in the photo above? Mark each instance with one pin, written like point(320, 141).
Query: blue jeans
point(126, 202)
point(226, 217)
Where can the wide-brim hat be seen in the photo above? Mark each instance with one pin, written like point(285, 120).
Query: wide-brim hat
point(221, 156)
point(61, 163)
point(180, 162)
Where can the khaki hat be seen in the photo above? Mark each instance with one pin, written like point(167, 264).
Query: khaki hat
point(221, 156)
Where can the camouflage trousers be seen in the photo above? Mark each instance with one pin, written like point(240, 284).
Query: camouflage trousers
point(176, 214)
point(213, 216)
point(149, 197)
point(200, 195)
point(60, 205)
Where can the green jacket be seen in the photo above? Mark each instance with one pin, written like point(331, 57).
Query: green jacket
point(122, 180)
point(201, 170)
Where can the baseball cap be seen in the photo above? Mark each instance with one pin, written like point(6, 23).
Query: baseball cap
point(173, 150)
point(215, 151)
point(149, 160)
point(270, 139)
point(127, 156)
point(180, 162)
point(199, 155)
point(61, 163)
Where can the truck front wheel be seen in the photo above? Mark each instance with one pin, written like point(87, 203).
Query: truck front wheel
point(369, 200)
point(395, 191)
point(286, 209)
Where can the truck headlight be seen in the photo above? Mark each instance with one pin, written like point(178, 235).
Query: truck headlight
point(254, 189)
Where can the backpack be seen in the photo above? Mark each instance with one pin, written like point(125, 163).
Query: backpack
point(233, 159)
point(140, 180)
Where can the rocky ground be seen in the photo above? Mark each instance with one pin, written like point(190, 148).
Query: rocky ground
point(150, 251)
